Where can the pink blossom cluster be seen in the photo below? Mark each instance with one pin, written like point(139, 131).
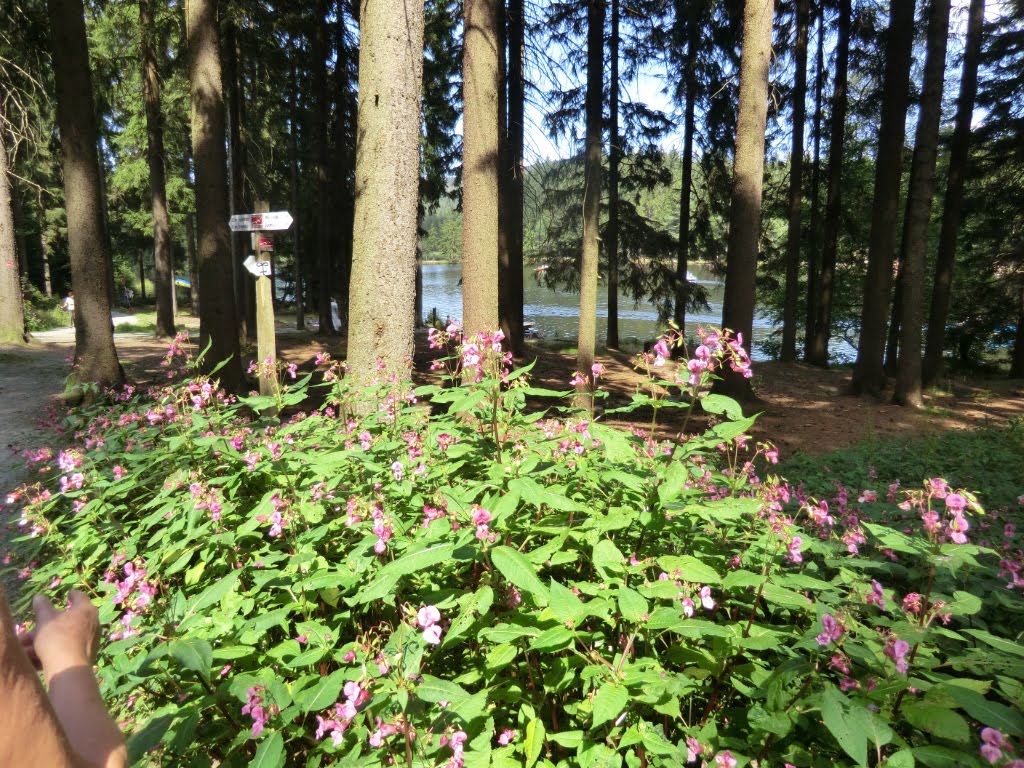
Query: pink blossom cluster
point(255, 709)
point(206, 498)
point(482, 355)
point(897, 650)
point(481, 519)
point(507, 736)
point(725, 760)
point(456, 742)
point(133, 593)
point(430, 514)
point(694, 749)
point(703, 594)
point(995, 746)
point(428, 618)
point(180, 347)
point(831, 630)
point(279, 518)
point(382, 528)
point(343, 713)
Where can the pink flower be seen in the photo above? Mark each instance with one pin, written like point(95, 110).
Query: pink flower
point(897, 651)
point(876, 596)
point(428, 616)
point(597, 370)
point(793, 550)
point(578, 380)
point(725, 760)
point(693, 749)
point(507, 737)
point(706, 599)
point(832, 630)
point(993, 743)
point(432, 634)
point(254, 708)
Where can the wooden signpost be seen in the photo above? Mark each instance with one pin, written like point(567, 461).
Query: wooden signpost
point(261, 266)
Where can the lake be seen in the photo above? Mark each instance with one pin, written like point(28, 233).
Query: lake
point(556, 313)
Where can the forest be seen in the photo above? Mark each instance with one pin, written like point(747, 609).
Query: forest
point(877, 193)
point(448, 544)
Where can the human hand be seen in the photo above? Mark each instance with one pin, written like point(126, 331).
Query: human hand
point(63, 639)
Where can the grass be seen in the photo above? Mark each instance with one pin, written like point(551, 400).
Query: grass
point(986, 461)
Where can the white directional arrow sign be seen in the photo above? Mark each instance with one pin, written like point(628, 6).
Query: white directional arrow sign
point(254, 222)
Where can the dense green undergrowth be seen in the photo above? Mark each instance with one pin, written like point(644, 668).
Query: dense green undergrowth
point(434, 577)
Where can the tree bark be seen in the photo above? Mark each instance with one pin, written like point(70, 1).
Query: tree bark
point(922, 188)
point(686, 184)
point(12, 311)
point(218, 319)
point(614, 154)
point(323, 151)
point(868, 371)
point(293, 190)
point(953, 205)
point(589, 251)
point(796, 168)
point(163, 260)
point(813, 253)
point(514, 183)
point(823, 318)
point(383, 285)
point(344, 151)
point(748, 179)
point(1017, 359)
point(91, 273)
point(237, 161)
point(480, 78)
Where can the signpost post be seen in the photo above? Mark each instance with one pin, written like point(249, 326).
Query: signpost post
point(261, 266)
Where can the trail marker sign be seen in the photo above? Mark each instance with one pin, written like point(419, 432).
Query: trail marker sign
point(256, 222)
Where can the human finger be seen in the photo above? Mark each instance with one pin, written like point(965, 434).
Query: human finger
point(44, 610)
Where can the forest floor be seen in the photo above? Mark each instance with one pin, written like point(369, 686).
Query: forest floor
point(803, 408)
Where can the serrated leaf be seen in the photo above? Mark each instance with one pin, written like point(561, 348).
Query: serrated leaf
point(936, 720)
point(323, 693)
point(609, 702)
point(902, 759)
point(565, 605)
point(675, 480)
point(607, 556)
point(688, 568)
point(720, 404)
point(193, 653)
point(518, 570)
point(146, 738)
point(534, 741)
point(434, 689)
point(270, 753)
point(632, 605)
point(991, 713)
point(847, 722)
point(537, 495)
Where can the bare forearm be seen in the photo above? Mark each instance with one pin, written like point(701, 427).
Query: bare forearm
point(76, 701)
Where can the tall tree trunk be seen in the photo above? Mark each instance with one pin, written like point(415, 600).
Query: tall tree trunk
point(796, 169)
point(20, 240)
point(686, 185)
point(589, 252)
point(814, 236)
point(387, 177)
point(12, 311)
point(237, 160)
point(868, 371)
point(218, 319)
point(480, 78)
point(193, 263)
point(921, 191)
point(953, 206)
point(1017, 359)
point(91, 273)
point(748, 179)
point(514, 181)
point(293, 196)
point(344, 153)
point(826, 287)
point(323, 150)
point(892, 339)
point(163, 259)
point(614, 154)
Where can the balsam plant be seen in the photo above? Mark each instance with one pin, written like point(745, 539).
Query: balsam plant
point(450, 575)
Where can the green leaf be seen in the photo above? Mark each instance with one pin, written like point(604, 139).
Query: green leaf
point(388, 576)
point(609, 702)
point(847, 722)
point(554, 639)
point(727, 430)
point(323, 693)
point(537, 495)
point(533, 743)
point(721, 404)
point(607, 556)
point(963, 604)
point(786, 598)
point(565, 605)
point(193, 653)
point(140, 742)
point(518, 570)
point(689, 568)
point(902, 759)
point(270, 753)
point(996, 642)
point(991, 713)
point(939, 757)
point(675, 479)
point(632, 605)
point(936, 720)
point(212, 594)
point(434, 689)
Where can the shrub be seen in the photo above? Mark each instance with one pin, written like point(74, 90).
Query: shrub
point(380, 582)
